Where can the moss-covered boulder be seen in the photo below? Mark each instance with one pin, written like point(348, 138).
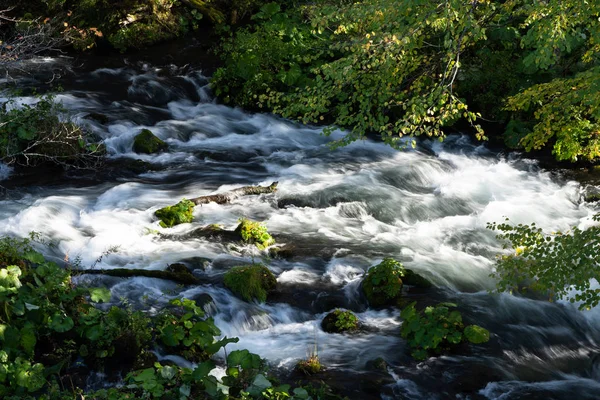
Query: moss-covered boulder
point(255, 232)
point(147, 142)
point(382, 284)
point(339, 321)
point(180, 213)
point(250, 282)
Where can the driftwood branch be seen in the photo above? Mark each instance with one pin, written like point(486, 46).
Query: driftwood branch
point(185, 278)
point(227, 197)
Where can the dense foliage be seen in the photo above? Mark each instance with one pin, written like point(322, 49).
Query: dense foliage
point(31, 134)
point(411, 67)
point(129, 24)
point(436, 329)
point(48, 325)
point(558, 265)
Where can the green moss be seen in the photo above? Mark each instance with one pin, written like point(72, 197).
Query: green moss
point(383, 284)
point(255, 232)
point(250, 282)
point(476, 334)
point(180, 213)
point(310, 366)
point(146, 142)
point(339, 321)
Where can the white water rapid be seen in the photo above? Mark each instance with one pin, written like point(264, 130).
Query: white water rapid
point(346, 208)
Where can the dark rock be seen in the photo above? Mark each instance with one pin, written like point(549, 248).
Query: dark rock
point(203, 300)
point(98, 117)
point(377, 364)
point(178, 268)
point(148, 143)
point(411, 278)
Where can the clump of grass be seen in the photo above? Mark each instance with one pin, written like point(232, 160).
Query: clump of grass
point(250, 282)
point(310, 366)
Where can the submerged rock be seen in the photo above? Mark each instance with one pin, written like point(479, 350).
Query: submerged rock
point(339, 321)
point(250, 282)
point(147, 142)
point(411, 278)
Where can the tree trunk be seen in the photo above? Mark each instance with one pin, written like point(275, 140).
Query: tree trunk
point(227, 197)
point(185, 278)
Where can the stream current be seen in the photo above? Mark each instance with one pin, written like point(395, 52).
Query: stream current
point(346, 209)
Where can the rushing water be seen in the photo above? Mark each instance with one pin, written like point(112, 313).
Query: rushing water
point(346, 209)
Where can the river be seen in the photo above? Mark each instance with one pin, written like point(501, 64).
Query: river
point(346, 208)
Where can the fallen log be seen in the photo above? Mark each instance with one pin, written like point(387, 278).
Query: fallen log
point(171, 274)
point(223, 198)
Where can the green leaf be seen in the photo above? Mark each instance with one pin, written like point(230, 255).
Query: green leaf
point(34, 257)
point(202, 370)
point(28, 338)
point(168, 372)
point(61, 323)
point(100, 295)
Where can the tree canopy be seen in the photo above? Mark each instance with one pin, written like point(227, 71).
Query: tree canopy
point(414, 67)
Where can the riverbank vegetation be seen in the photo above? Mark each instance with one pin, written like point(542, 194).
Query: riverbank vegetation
point(522, 73)
point(529, 72)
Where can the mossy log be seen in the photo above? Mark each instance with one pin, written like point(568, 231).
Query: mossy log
point(223, 198)
point(185, 278)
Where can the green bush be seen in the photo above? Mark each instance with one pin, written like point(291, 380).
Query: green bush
point(435, 329)
point(180, 213)
point(255, 232)
point(47, 323)
point(188, 332)
point(250, 282)
point(382, 284)
point(339, 321)
point(552, 264)
point(39, 133)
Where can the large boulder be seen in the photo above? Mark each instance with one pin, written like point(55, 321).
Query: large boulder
point(147, 142)
point(250, 282)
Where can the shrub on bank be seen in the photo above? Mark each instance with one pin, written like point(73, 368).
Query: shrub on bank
point(32, 134)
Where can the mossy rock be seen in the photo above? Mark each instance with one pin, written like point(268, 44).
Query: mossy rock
point(339, 321)
point(382, 284)
point(147, 142)
point(180, 213)
point(250, 282)
point(476, 334)
point(377, 364)
point(411, 278)
point(254, 232)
